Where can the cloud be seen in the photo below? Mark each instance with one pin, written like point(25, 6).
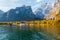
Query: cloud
point(13, 3)
point(8, 4)
point(38, 0)
point(2, 0)
point(4, 8)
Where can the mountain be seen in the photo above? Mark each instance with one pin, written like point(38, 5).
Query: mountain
point(1, 12)
point(23, 13)
point(39, 14)
point(3, 17)
point(42, 11)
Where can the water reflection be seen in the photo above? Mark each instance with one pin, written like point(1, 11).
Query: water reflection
point(24, 33)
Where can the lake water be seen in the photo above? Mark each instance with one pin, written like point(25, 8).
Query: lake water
point(22, 33)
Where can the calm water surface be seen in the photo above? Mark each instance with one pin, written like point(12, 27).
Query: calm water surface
point(22, 33)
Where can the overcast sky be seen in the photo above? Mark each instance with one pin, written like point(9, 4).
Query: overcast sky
point(5, 5)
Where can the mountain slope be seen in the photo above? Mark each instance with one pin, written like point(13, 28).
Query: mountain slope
point(21, 14)
point(3, 17)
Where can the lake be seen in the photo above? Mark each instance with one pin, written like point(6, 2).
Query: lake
point(23, 33)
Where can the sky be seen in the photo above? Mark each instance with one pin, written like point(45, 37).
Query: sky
point(6, 5)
